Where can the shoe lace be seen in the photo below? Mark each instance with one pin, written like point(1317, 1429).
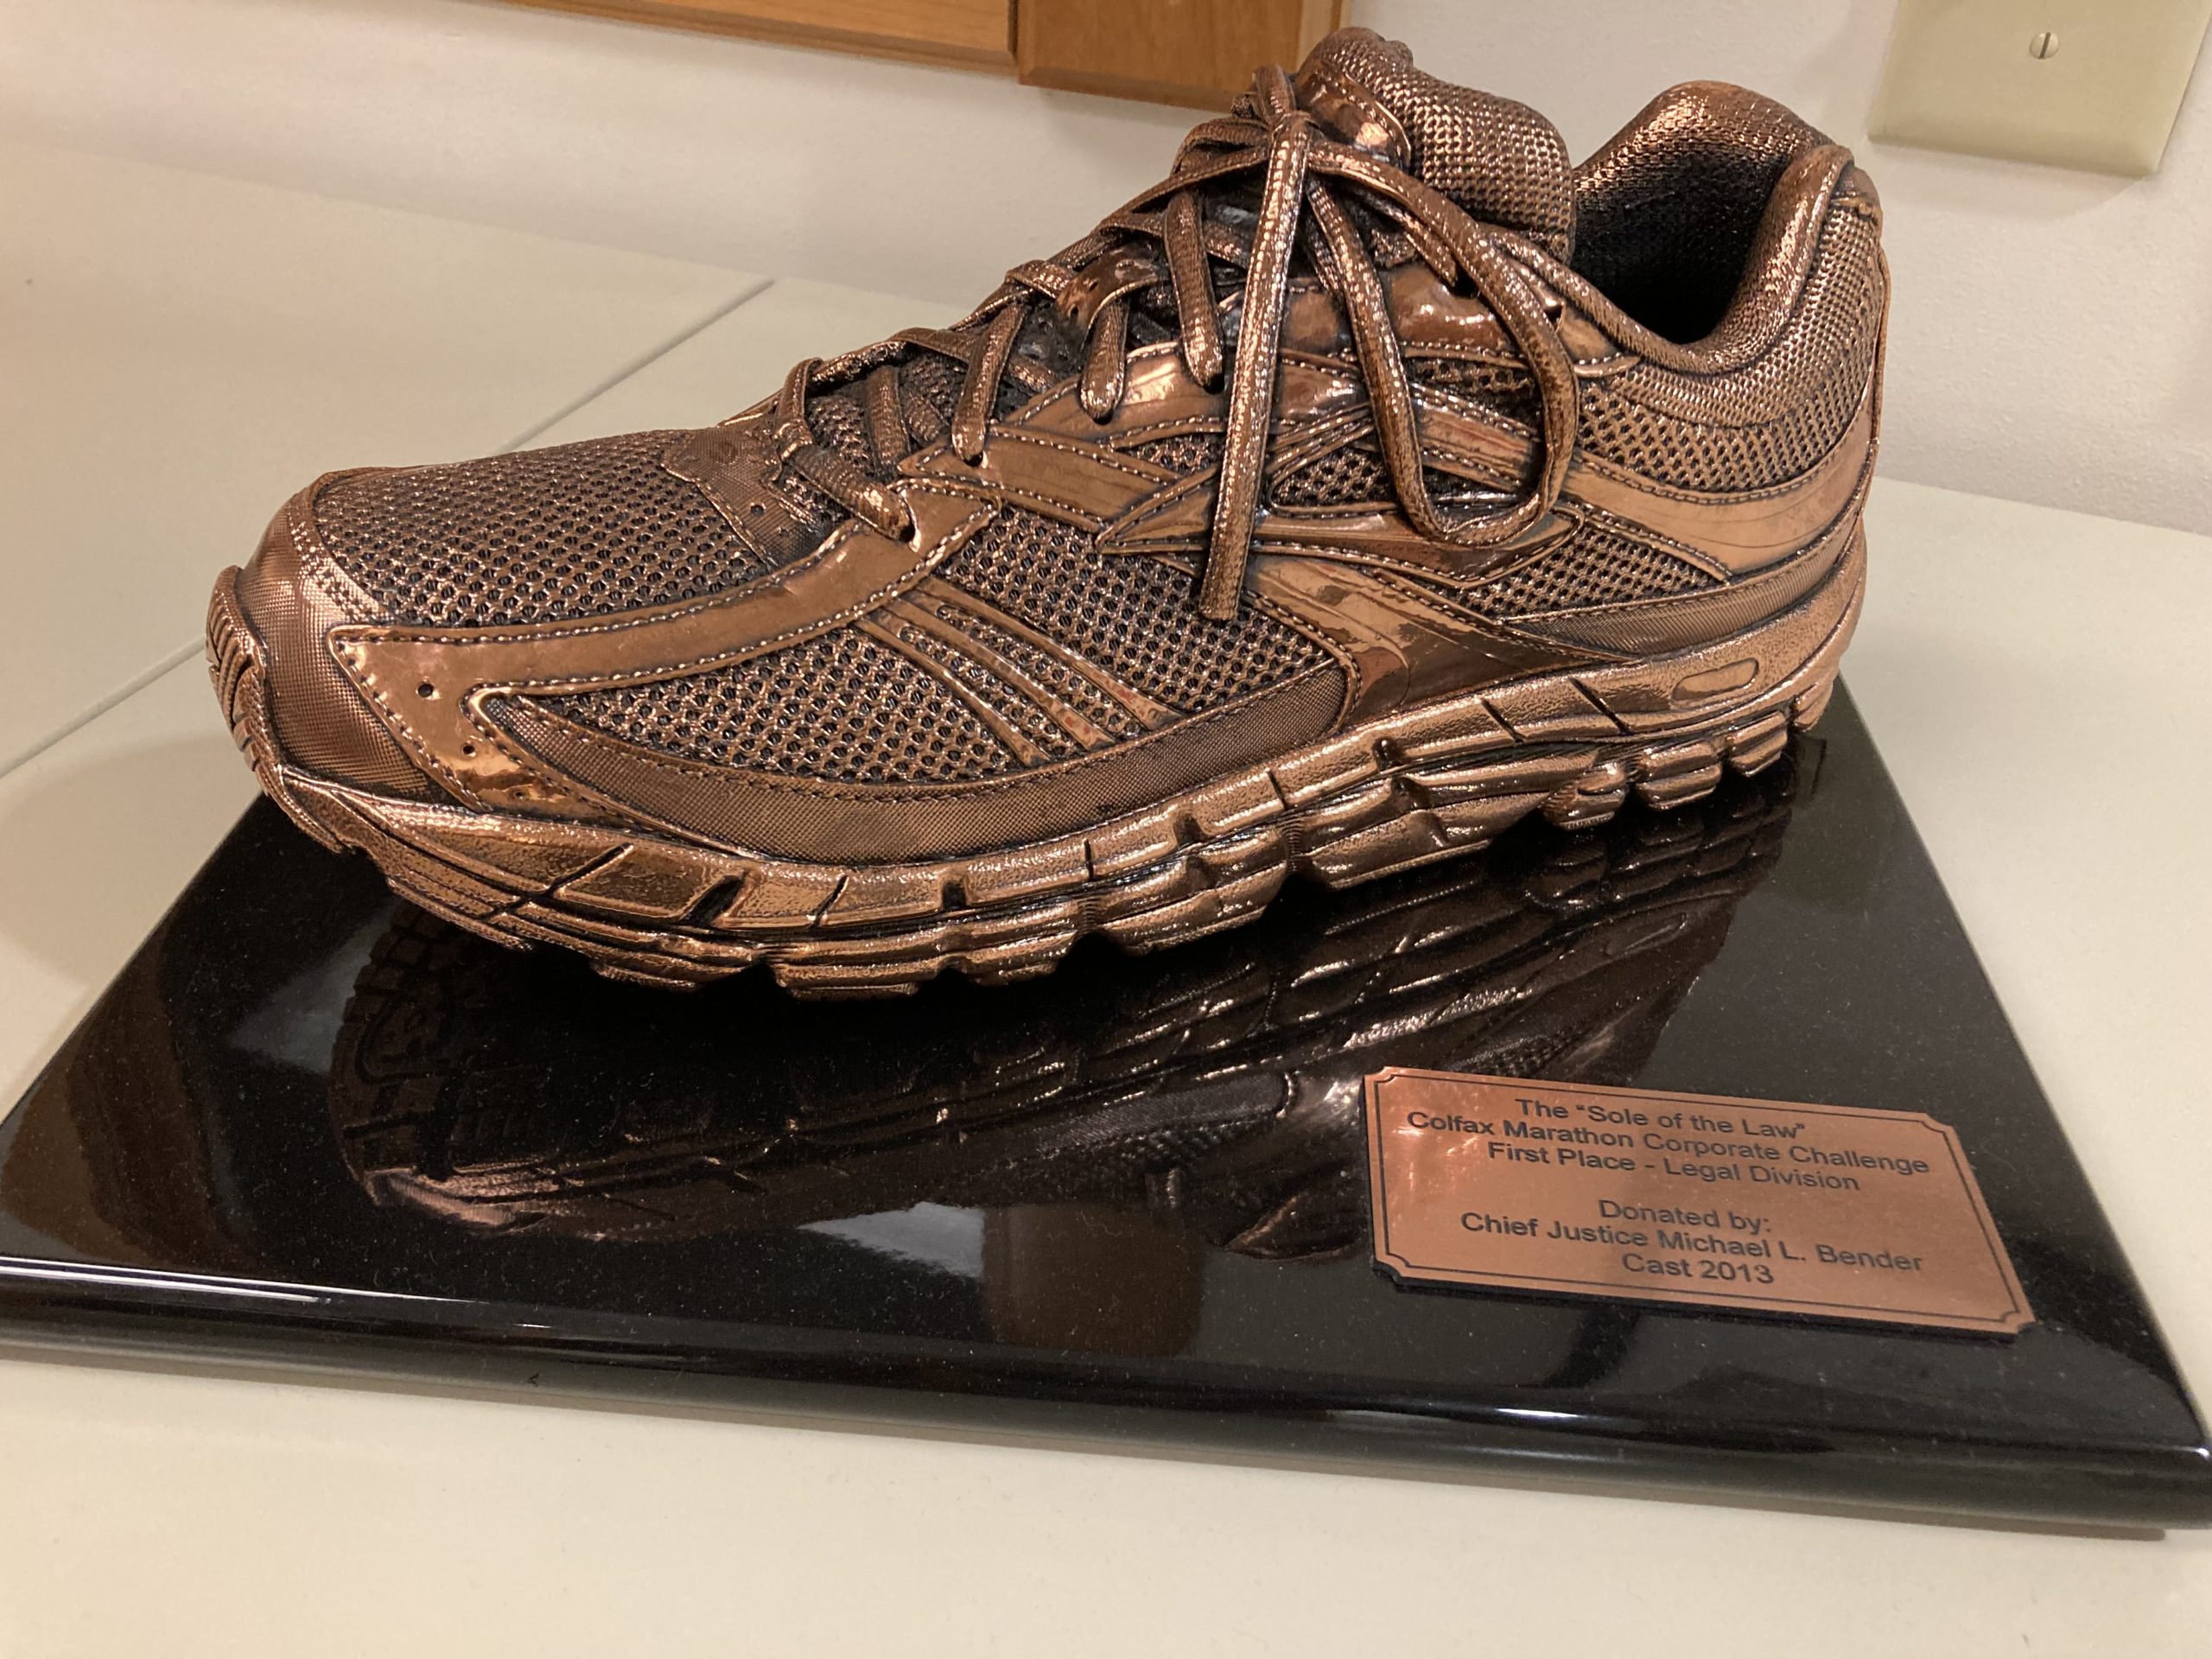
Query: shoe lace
point(1095, 282)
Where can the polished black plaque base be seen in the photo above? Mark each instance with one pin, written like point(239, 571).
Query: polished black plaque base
point(308, 1125)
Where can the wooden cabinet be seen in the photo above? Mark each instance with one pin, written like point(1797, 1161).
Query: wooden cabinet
point(1200, 52)
point(969, 34)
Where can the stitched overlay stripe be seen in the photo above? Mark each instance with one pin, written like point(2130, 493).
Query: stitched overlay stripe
point(1054, 668)
point(1022, 727)
point(1041, 700)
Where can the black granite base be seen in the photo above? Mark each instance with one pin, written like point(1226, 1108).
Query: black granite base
point(310, 1125)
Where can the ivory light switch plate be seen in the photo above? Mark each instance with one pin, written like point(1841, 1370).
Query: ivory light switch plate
point(2092, 84)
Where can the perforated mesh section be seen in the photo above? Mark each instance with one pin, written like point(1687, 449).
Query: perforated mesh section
point(1133, 615)
point(1355, 475)
point(532, 538)
point(1052, 674)
point(1504, 387)
point(1499, 160)
point(1596, 567)
point(842, 708)
point(1354, 472)
point(840, 423)
point(1769, 421)
point(1187, 452)
point(928, 387)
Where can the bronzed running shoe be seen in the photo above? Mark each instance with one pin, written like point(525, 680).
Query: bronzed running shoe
point(1376, 480)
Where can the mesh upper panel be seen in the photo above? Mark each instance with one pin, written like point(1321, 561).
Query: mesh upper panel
point(532, 538)
point(841, 707)
point(1355, 473)
point(1506, 388)
point(840, 423)
point(1131, 614)
point(928, 387)
point(1721, 432)
point(1499, 160)
point(1187, 452)
point(1594, 567)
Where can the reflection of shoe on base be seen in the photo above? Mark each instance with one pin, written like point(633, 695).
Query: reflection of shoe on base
point(1374, 481)
point(1218, 1086)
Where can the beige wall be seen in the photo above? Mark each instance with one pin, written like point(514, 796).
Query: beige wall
point(2053, 330)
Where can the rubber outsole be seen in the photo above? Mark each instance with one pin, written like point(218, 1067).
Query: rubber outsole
point(1436, 781)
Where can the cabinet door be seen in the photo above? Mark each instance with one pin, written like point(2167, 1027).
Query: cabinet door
point(972, 34)
point(1200, 52)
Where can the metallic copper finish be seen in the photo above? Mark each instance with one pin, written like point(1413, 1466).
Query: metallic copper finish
point(1495, 487)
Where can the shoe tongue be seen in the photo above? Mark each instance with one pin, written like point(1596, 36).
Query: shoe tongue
point(1500, 161)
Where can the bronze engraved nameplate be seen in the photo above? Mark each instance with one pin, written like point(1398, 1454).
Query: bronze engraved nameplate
point(1753, 1205)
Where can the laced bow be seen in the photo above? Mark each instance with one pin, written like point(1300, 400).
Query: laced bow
point(1095, 283)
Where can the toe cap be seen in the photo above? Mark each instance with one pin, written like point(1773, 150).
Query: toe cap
point(289, 596)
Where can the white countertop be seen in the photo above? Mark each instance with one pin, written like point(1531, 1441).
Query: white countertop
point(183, 351)
point(2032, 675)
